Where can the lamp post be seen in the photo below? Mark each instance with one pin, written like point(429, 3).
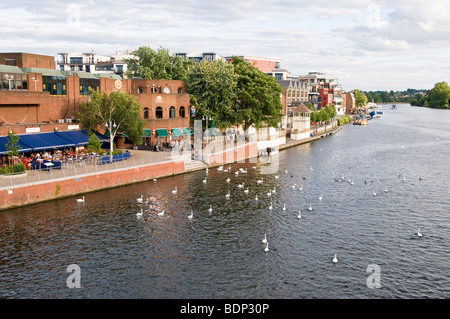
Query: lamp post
point(112, 128)
point(9, 78)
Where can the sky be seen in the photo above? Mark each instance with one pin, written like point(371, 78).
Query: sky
point(366, 45)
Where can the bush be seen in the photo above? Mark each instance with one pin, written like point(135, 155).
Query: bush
point(15, 169)
point(344, 119)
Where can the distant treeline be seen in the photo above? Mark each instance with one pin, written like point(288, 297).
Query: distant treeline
point(438, 97)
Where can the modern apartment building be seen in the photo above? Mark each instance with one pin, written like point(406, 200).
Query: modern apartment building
point(94, 63)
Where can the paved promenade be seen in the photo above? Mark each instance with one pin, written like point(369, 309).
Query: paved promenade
point(138, 159)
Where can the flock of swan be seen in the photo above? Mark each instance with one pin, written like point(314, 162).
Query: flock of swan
point(246, 190)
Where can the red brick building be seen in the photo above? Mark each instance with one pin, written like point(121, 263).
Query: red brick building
point(35, 97)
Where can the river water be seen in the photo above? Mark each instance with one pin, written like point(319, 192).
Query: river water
point(220, 254)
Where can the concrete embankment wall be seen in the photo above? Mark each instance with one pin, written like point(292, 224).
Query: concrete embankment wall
point(38, 192)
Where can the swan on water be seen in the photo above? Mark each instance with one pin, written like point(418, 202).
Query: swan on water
point(293, 186)
point(276, 176)
point(161, 213)
point(175, 190)
point(267, 247)
point(228, 180)
point(320, 197)
point(210, 208)
point(140, 199)
point(299, 214)
point(270, 206)
point(227, 195)
point(191, 215)
point(259, 181)
point(140, 213)
point(419, 234)
point(204, 181)
point(256, 198)
point(246, 191)
point(284, 206)
point(374, 194)
point(80, 200)
point(310, 207)
point(335, 260)
point(265, 239)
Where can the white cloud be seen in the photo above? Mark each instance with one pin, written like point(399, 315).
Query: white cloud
point(357, 41)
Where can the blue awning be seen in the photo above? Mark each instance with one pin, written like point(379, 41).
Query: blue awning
point(44, 141)
point(79, 137)
point(51, 140)
point(4, 140)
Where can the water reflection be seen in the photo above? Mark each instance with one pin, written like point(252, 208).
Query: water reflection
point(220, 254)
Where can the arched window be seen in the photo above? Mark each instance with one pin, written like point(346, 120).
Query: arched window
point(146, 113)
point(154, 89)
point(182, 112)
point(159, 112)
point(180, 90)
point(167, 90)
point(172, 112)
point(141, 90)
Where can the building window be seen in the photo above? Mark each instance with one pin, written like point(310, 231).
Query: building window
point(159, 112)
point(55, 85)
point(154, 90)
point(180, 90)
point(76, 60)
point(140, 90)
point(172, 112)
point(167, 90)
point(13, 81)
point(87, 84)
point(146, 113)
point(182, 112)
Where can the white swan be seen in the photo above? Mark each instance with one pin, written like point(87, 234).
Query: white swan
point(320, 197)
point(265, 239)
point(259, 181)
point(386, 190)
point(140, 199)
point(175, 190)
point(227, 195)
point(301, 188)
point(335, 260)
point(220, 168)
point(80, 200)
point(228, 180)
point(256, 198)
point(310, 207)
point(269, 193)
point(299, 214)
point(210, 208)
point(241, 185)
point(293, 186)
point(419, 234)
point(276, 176)
point(267, 247)
point(374, 194)
point(161, 213)
point(270, 206)
point(191, 215)
point(274, 191)
point(246, 191)
point(204, 181)
point(140, 213)
point(154, 179)
point(284, 206)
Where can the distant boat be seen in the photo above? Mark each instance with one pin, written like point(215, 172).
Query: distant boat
point(394, 106)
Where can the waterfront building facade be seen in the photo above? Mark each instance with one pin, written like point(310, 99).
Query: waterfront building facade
point(47, 99)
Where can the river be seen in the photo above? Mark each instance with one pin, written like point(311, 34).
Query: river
point(220, 254)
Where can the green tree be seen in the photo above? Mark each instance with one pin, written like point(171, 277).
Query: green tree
point(212, 89)
point(94, 144)
point(331, 110)
point(258, 100)
point(360, 98)
point(439, 96)
point(151, 64)
point(12, 146)
point(119, 109)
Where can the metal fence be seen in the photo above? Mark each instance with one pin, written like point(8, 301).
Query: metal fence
point(82, 167)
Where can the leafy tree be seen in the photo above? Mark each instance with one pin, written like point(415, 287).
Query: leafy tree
point(258, 96)
point(94, 143)
point(12, 146)
point(151, 64)
point(118, 108)
point(439, 96)
point(360, 98)
point(212, 89)
point(331, 110)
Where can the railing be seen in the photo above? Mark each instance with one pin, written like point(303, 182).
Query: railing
point(82, 167)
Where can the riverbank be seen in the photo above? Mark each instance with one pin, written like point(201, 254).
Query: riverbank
point(39, 186)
